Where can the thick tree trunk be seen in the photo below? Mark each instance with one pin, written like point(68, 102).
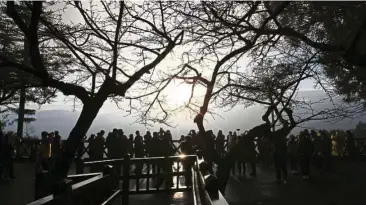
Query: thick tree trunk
point(21, 108)
point(21, 113)
point(199, 123)
point(86, 118)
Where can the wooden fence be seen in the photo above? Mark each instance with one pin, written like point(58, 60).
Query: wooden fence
point(89, 189)
point(102, 188)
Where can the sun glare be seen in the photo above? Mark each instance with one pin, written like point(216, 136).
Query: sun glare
point(179, 94)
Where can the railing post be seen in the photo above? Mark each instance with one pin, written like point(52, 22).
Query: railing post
point(109, 169)
point(126, 180)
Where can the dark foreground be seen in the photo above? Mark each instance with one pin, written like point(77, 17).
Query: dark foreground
point(345, 186)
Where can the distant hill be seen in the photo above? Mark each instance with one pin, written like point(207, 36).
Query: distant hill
point(64, 120)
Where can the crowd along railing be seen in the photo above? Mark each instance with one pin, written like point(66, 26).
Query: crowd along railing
point(28, 148)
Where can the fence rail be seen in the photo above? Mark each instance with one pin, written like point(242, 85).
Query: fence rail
point(89, 189)
point(103, 188)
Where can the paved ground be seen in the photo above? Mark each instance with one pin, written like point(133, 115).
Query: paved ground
point(345, 186)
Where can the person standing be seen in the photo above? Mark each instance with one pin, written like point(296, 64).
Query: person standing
point(130, 145)
point(89, 149)
point(327, 151)
point(8, 164)
point(139, 151)
point(280, 156)
point(232, 142)
point(155, 150)
point(220, 142)
point(147, 143)
point(56, 145)
point(241, 163)
point(187, 149)
point(112, 144)
point(350, 145)
point(317, 157)
point(305, 151)
point(209, 149)
point(42, 162)
point(122, 144)
point(249, 153)
point(166, 166)
point(293, 146)
point(97, 150)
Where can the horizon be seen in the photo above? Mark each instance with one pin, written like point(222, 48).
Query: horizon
point(111, 117)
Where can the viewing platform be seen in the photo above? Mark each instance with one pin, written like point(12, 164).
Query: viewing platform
point(345, 185)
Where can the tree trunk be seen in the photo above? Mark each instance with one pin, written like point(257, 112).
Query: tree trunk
point(22, 93)
point(199, 123)
point(21, 113)
point(86, 118)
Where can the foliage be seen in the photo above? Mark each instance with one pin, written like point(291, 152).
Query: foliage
point(12, 45)
point(337, 30)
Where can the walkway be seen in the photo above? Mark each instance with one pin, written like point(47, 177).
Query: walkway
point(344, 187)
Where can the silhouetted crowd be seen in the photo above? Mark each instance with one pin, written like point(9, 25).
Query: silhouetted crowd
point(49, 149)
point(297, 152)
point(300, 152)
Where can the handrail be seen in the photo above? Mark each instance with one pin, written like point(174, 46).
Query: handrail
point(142, 160)
point(195, 187)
point(76, 190)
point(203, 184)
point(113, 197)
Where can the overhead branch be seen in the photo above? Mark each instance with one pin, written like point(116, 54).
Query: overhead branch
point(116, 37)
point(34, 52)
point(65, 88)
point(122, 88)
point(250, 99)
point(11, 11)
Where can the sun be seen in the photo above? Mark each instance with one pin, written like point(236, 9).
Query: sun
point(178, 94)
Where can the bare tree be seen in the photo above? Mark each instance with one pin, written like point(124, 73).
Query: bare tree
point(114, 46)
point(221, 46)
